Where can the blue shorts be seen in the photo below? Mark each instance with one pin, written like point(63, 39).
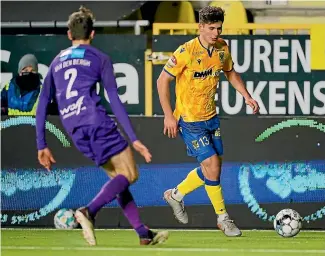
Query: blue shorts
point(99, 142)
point(202, 139)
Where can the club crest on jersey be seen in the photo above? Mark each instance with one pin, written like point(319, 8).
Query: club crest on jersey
point(172, 62)
point(195, 144)
point(217, 133)
point(198, 61)
point(222, 56)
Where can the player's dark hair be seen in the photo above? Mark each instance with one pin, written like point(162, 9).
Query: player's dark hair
point(211, 14)
point(81, 24)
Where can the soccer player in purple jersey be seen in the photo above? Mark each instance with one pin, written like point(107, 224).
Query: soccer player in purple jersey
point(72, 76)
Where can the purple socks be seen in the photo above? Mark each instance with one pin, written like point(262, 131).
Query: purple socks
point(130, 210)
point(108, 193)
point(118, 188)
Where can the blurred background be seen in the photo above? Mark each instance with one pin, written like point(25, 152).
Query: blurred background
point(272, 161)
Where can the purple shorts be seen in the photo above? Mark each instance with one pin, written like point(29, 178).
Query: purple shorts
point(99, 142)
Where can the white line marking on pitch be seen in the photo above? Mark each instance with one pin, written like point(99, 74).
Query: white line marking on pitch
point(171, 230)
point(34, 248)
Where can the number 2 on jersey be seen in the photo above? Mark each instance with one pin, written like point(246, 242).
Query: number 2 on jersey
point(71, 75)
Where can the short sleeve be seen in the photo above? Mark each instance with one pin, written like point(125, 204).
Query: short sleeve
point(177, 62)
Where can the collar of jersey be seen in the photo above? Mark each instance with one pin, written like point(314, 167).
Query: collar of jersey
point(209, 53)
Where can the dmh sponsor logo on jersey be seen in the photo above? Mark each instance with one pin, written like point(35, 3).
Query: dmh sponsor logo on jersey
point(206, 73)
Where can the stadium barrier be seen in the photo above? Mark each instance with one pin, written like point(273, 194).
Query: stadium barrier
point(269, 164)
point(136, 24)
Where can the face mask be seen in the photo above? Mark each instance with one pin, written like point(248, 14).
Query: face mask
point(28, 81)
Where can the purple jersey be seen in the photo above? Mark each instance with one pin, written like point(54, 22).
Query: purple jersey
point(72, 76)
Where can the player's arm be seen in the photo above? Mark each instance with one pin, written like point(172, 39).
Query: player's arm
point(109, 83)
point(173, 67)
point(236, 81)
point(45, 156)
point(163, 84)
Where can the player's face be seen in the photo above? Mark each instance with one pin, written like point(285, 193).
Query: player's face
point(211, 32)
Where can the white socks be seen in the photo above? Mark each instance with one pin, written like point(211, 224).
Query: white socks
point(222, 217)
point(177, 195)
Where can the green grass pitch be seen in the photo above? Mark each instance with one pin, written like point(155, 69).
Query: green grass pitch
point(36, 242)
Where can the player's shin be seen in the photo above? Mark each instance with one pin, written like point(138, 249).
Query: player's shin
point(194, 180)
point(214, 192)
point(130, 210)
point(108, 193)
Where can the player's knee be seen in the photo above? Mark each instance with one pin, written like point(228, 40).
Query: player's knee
point(212, 167)
point(134, 177)
point(131, 175)
point(128, 176)
point(110, 173)
point(134, 174)
point(213, 174)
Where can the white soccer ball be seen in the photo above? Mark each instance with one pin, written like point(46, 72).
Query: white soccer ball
point(287, 223)
point(65, 219)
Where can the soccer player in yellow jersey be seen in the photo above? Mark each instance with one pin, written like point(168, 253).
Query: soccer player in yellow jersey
point(196, 65)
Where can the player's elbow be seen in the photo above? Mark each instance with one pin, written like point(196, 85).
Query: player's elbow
point(230, 74)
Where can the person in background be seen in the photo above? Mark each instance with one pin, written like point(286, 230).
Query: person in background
point(20, 95)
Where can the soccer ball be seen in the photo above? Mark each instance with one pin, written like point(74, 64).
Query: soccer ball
point(287, 223)
point(64, 219)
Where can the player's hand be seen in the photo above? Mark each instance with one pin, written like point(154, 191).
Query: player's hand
point(46, 158)
point(170, 126)
point(143, 150)
point(253, 104)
